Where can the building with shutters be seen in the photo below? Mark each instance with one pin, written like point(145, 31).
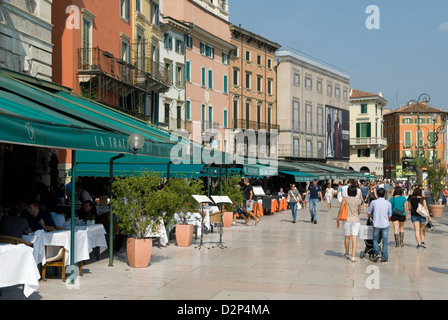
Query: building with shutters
point(367, 143)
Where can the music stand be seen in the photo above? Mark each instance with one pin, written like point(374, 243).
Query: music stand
point(202, 200)
point(219, 201)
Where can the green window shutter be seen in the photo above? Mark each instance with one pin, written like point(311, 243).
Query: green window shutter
point(187, 110)
point(358, 131)
point(407, 139)
point(203, 77)
point(210, 79)
point(359, 153)
point(403, 121)
point(225, 118)
point(225, 84)
point(201, 46)
point(369, 130)
point(187, 70)
point(368, 153)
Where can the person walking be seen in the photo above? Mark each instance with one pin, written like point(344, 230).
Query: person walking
point(314, 193)
point(418, 221)
point(329, 194)
point(399, 213)
point(380, 211)
point(249, 196)
point(294, 198)
point(364, 192)
point(352, 224)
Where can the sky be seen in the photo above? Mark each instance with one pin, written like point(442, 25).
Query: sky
point(406, 57)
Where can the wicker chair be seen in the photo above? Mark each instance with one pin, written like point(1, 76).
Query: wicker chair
point(14, 240)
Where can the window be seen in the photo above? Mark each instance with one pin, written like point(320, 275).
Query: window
point(180, 46)
point(86, 40)
point(236, 76)
point(225, 83)
point(248, 55)
point(168, 41)
point(364, 153)
point(138, 6)
point(295, 115)
point(308, 83)
point(154, 13)
point(125, 10)
point(269, 63)
point(269, 86)
point(296, 148)
point(320, 150)
point(180, 81)
point(235, 114)
point(363, 130)
point(259, 83)
point(189, 41)
point(296, 79)
point(248, 114)
point(210, 79)
point(320, 120)
point(407, 138)
point(345, 95)
point(308, 118)
point(140, 58)
point(337, 92)
point(167, 113)
point(319, 86)
point(188, 70)
point(258, 116)
point(203, 76)
point(203, 118)
point(329, 90)
point(309, 149)
point(225, 58)
point(248, 74)
point(259, 60)
point(225, 118)
point(210, 117)
point(188, 110)
point(363, 108)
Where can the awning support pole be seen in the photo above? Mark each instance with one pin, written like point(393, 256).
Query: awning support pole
point(111, 215)
point(72, 223)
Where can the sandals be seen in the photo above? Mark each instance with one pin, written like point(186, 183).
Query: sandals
point(346, 256)
point(353, 259)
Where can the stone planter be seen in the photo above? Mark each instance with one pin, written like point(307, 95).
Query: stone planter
point(139, 252)
point(227, 219)
point(436, 210)
point(184, 235)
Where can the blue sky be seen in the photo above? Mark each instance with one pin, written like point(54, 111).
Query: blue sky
point(406, 57)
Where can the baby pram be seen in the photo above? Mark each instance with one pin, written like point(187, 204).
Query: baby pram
point(366, 233)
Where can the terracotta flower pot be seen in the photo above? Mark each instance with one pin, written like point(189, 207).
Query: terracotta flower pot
point(436, 210)
point(184, 235)
point(227, 219)
point(139, 252)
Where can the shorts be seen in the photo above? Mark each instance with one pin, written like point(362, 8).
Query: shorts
point(401, 218)
point(249, 205)
point(351, 228)
point(418, 218)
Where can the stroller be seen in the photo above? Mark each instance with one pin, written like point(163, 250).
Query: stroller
point(369, 243)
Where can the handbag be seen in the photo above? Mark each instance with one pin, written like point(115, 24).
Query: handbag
point(422, 211)
point(343, 213)
point(397, 212)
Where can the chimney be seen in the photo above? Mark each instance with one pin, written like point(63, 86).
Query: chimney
point(380, 94)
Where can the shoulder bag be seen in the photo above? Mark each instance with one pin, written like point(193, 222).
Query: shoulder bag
point(421, 210)
point(396, 212)
point(343, 212)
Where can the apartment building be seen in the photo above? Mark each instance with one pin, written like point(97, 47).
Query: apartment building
point(416, 129)
point(367, 143)
point(253, 89)
point(313, 110)
point(207, 50)
point(25, 37)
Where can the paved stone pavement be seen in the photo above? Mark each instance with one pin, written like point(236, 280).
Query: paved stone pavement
point(275, 260)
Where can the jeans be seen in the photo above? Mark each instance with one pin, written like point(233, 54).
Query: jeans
point(384, 232)
point(313, 208)
point(293, 206)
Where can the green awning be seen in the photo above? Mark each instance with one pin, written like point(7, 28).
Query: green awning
point(300, 176)
point(32, 116)
point(258, 170)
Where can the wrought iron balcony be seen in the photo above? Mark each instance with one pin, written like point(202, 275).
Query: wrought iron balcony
point(143, 73)
point(254, 125)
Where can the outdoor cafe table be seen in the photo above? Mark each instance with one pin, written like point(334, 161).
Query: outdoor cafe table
point(86, 238)
point(17, 266)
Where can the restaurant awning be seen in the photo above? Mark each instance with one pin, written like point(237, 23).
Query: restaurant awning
point(33, 116)
point(300, 176)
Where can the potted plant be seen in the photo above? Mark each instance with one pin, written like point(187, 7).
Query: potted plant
point(136, 201)
point(436, 176)
point(178, 194)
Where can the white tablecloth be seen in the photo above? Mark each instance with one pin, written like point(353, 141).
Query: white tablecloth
point(86, 238)
point(159, 233)
point(196, 220)
point(17, 266)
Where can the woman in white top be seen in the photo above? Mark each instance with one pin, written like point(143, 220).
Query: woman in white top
point(329, 193)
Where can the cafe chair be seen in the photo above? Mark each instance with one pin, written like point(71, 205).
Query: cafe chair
point(14, 240)
point(56, 261)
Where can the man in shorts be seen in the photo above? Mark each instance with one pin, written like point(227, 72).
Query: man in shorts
point(249, 197)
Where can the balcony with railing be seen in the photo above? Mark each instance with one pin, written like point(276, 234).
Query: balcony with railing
point(254, 125)
point(374, 142)
point(142, 73)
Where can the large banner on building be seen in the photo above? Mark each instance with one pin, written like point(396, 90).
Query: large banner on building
point(337, 133)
